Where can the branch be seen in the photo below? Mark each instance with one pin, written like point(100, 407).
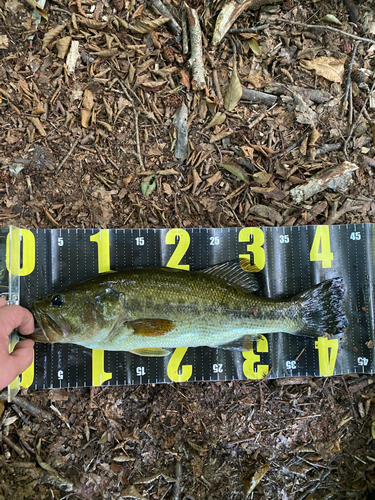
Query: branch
point(196, 59)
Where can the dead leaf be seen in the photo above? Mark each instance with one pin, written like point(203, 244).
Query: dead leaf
point(50, 35)
point(143, 27)
point(328, 67)
point(62, 46)
point(105, 54)
point(86, 109)
point(37, 8)
point(314, 136)
point(252, 481)
point(262, 177)
point(218, 119)
point(38, 126)
point(234, 91)
point(91, 23)
point(185, 80)
point(266, 212)
point(4, 42)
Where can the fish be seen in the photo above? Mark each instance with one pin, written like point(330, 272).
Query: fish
point(150, 311)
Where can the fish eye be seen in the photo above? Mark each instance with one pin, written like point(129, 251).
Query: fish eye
point(57, 301)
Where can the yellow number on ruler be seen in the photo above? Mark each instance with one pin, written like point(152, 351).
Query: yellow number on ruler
point(174, 364)
point(327, 360)
point(255, 247)
point(102, 239)
point(182, 246)
point(28, 252)
point(322, 242)
point(27, 377)
point(251, 358)
point(99, 375)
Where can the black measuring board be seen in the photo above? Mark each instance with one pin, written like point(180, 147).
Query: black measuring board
point(291, 259)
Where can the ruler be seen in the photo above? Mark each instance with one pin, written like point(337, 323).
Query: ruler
point(291, 259)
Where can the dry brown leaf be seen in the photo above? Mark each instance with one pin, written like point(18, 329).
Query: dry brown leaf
point(234, 91)
point(86, 109)
point(314, 136)
point(37, 8)
point(91, 23)
point(185, 80)
point(262, 177)
point(38, 126)
point(328, 67)
point(79, 8)
point(143, 27)
point(85, 117)
point(106, 53)
point(38, 108)
point(4, 42)
point(62, 46)
point(218, 119)
point(88, 99)
point(152, 86)
point(52, 34)
point(266, 212)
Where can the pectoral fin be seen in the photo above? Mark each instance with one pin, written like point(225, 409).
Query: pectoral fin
point(151, 327)
point(154, 352)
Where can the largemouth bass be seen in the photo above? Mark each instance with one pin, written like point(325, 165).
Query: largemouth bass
point(149, 311)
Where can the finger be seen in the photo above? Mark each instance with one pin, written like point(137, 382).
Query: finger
point(20, 359)
point(12, 317)
point(3, 302)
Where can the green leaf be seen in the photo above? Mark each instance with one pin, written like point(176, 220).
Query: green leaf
point(147, 186)
point(253, 44)
point(234, 91)
point(236, 170)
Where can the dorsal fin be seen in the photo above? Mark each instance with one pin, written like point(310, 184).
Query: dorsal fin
point(238, 273)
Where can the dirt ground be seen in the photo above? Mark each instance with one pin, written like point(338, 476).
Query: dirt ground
point(104, 124)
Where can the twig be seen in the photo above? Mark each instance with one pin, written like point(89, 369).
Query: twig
point(196, 59)
point(125, 90)
point(249, 30)
point(10, 443)
point(49, 216)
point(67, 156)
point(177, 486)
point(57, 9)
point(172, 23)
point(357, 120)
point(185, 43)
point(257, 120)
point(350, 401)
point(345, 102)
point(26, 405)
point(322, 26)
point(257, 97)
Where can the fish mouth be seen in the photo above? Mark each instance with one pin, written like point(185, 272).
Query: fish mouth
point(48, 330)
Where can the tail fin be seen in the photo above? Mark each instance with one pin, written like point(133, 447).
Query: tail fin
point(322, 309)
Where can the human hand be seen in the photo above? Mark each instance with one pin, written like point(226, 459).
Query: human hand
point(12, 365)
